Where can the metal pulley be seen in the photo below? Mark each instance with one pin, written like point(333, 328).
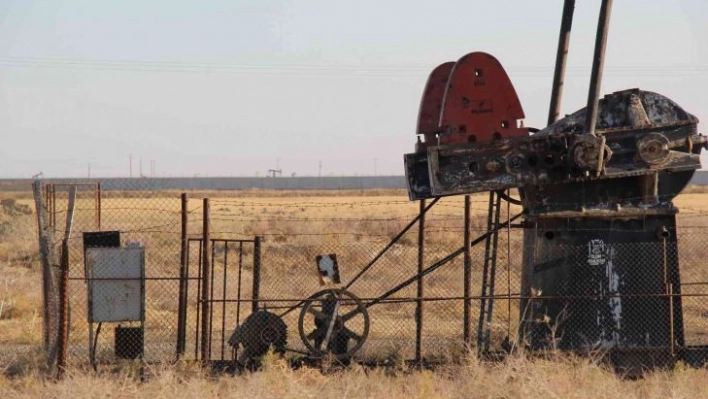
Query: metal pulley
point(333, 321)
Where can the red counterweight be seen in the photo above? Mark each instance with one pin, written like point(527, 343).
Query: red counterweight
point(431, 104)
point(479, 103)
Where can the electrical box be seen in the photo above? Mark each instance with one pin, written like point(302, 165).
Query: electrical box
point(116, 284)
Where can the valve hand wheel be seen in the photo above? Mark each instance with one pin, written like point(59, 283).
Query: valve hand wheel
point(333, 321)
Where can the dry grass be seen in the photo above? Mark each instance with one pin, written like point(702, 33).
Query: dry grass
point(20, 296)
point(514, 378)
point(293, 216)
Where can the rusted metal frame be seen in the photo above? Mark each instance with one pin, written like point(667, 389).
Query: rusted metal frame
point(238, 283)
point(212, 274)
point(63, 333)
point(488, 273)
point(46, 252)
point(411, 280)
point(492, 274)
point(419, 288)
point(205, 289)
point(429, 269)
point(215, 240)
point(98, 206)
point(183, 279)
point(63, 325)
point(467, 305)
point(668, 287)
point(514, 296)
point(506, 196)
point(672, 332)
point(598, 65)
point(223, 295)
point(73, 184)
point(485, 274)
point(70, 213)
point(47, 196)
point(54, 207)
point(197, 336)
point(127, 279)
point(376, 258)
point(391, 243)
point(256, 274)
point(230, 241)
point(453, 176)
point(561, 57)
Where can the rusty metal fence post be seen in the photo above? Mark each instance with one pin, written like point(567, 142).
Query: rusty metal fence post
point(183, 281)
point(419, 294)
point(467, 306)
point(63, 333)
point(206, 280)
point(46, 251)
point(98, 206)
point(53, 208)
point(256, 273)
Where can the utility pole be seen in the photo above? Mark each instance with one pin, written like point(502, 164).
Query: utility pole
point(130, 159)
point(141, 166)
point(89, 170)
point(319, 171)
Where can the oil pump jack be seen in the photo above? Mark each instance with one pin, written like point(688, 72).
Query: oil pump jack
point(601, 179)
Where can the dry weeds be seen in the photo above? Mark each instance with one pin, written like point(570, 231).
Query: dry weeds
point(514, 378)
point(258, 212)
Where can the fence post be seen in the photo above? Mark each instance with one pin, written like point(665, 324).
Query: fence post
point(63, 328)
point(53, 209)
point(46, 251)
point(256, 273)
point(467, 312)
point(63, 333)
point(183, 281)
point(206, 279)
point(98, 206)
point(419, 304)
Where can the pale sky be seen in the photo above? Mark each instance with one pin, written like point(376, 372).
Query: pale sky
point(234, 88)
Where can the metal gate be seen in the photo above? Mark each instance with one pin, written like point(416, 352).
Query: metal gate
point(220, 295)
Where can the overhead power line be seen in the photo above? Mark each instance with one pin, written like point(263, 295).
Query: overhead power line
point(329, 69)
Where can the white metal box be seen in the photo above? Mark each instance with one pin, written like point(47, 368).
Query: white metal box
point(116, 289)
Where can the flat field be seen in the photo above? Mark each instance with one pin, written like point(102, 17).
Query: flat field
point(353, 224)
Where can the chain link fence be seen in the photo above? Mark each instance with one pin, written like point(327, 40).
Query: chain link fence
point(406, 292)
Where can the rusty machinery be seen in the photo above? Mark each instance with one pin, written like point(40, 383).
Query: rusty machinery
point(602, 178)
point(599, 178)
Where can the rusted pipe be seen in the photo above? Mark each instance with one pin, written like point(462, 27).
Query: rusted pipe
point(183, 281)
point(256, 273)
point(98, 206)
point(598, 65)
point(206, 279)
point(393, 241)
point(419, 291)
point(561, 57)
point(63, 333)
point(467, 307)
